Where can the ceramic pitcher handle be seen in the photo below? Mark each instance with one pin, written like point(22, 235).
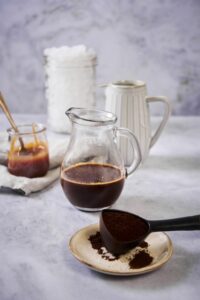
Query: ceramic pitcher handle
point(166, 115)
point(137, 157)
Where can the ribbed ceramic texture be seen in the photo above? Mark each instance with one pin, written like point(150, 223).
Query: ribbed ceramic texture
point(132, 111)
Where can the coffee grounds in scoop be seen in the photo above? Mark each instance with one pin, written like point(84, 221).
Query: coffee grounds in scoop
point(141, 259)
point(124, 226)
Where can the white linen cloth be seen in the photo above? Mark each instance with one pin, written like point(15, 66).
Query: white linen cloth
point(24, 185)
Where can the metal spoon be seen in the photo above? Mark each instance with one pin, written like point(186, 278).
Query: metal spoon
point(114, 237)
point(5, 109)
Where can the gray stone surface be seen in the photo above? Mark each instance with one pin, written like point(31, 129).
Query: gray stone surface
point(35, 262)
point(156, 41)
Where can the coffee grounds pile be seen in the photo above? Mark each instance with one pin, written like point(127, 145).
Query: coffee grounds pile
point(143, 244)
point(141, 259)
point(97, 244)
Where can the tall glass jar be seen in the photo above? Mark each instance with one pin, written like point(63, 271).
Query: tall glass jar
point(70, 81)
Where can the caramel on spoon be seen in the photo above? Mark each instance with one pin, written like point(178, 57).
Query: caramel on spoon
point(5, 109)
point(121, 231)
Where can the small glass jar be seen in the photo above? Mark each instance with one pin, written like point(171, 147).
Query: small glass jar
point(28, 155)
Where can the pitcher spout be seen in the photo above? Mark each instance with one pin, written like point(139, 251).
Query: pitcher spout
point(90, 117)
point(69, 112)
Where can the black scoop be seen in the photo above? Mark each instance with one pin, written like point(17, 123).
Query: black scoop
point(120, 231)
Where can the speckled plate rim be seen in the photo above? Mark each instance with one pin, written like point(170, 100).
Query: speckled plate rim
point(133, 272)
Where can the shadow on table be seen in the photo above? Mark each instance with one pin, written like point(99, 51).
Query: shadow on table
point(6, 190)
point(173, 162)
point(171, 274)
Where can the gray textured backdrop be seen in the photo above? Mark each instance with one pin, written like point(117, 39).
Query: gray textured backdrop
point(154, 40)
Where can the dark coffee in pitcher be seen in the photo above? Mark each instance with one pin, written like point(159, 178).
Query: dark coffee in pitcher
point(92, 186)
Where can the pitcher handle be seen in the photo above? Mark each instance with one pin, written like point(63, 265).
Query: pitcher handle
point(137, 157)
point(167, 111)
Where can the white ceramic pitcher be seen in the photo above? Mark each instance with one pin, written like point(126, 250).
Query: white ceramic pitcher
point(129, 101)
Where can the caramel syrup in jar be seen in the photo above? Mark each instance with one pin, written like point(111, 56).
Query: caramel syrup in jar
point(31, 162)
point(92, 185)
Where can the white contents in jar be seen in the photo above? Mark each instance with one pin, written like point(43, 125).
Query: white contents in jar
point(70, 82)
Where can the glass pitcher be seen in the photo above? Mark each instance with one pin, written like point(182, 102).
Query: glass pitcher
point(93, 171)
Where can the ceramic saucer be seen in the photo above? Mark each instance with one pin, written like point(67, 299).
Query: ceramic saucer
point(159, 247)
